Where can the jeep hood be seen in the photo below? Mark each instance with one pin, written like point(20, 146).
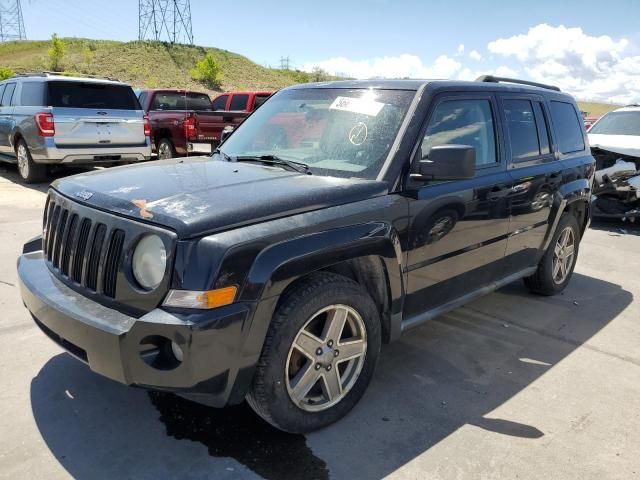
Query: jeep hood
point(198, 195)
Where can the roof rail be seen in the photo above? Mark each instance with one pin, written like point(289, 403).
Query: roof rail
point(633, 105)
point(492, 79)
point(62, 74)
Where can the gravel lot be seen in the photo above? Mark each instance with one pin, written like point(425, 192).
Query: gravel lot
point(510, 386)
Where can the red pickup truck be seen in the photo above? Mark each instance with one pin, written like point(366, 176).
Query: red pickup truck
point(185, 122)
point(240, 101)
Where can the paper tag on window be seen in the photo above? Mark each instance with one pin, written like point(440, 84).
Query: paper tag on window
point(357, 105)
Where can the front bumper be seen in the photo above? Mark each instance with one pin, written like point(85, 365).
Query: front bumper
point(137, 351)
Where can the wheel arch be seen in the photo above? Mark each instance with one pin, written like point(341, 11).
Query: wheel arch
point(573, 198)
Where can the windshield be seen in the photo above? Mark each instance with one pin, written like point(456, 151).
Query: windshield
point(618, 123)
point(336, 132)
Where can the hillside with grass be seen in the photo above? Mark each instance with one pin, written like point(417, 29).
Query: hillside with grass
point(162, 65)
point(147, 64)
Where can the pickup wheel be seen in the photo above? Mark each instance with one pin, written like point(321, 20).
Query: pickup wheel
point(166, 149)
point(319, 354)
point(557, 264)
point(30, 171)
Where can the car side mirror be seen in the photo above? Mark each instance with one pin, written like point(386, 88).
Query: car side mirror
point(448, 162)
point(226, 133)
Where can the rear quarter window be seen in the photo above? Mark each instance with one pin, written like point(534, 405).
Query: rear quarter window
point(568, 127)
point(32, 94)
point(92, 95)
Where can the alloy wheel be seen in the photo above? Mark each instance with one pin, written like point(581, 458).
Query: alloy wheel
point(23, 160)
point(326, 358)
point(563, 255)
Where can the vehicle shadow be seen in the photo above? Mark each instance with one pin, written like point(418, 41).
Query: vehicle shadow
point(9, 172)
point(451, 372)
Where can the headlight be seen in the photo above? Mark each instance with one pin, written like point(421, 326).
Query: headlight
point(149, 262)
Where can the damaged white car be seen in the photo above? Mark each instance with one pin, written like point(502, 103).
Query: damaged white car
point(615, 144)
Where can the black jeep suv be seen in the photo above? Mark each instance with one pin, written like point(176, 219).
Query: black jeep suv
point(336, 217)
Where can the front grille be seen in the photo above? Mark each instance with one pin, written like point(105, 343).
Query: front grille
point(90, 251)
point(75, 245)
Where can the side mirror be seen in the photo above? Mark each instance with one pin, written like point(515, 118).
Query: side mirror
point(448, 162)
point(226, 133)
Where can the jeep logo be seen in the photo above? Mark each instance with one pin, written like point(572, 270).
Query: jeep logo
point(84, 195)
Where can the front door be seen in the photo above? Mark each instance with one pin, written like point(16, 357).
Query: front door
point(458, 229)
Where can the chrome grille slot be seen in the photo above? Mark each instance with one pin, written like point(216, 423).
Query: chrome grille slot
point(51, 231)
point(60, 229)
point(78, 259)
point(111, 263)
point(68, 245)
point(94, 257)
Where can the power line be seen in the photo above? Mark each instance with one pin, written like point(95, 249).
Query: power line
point(165, 20)
point(284, 63)
point(11, 21)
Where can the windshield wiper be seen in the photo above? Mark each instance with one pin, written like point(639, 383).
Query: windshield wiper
point(221, 153)
point(275, 160)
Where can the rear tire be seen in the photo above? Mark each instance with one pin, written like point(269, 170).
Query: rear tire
point(166, 149)
point(30, 171)
point(319, 355)
point(557, 264)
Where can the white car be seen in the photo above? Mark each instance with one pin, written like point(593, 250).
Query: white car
point(615, 144)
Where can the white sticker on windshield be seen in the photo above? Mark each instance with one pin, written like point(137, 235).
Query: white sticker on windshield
point(364, 106)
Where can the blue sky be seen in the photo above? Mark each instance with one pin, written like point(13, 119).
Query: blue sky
point(371, 38)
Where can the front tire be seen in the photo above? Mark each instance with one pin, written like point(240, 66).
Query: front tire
point(319, 354)
point(30, 171)
point(557, 264)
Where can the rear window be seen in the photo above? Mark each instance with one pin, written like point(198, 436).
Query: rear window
point(568, 127)
point(92, 95)
point(239, 102)
point(32, 94)
point(198, 101)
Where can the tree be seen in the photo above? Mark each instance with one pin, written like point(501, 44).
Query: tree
point(207, 71)
point(6, 73)
point(319, 75)
point(56, 53)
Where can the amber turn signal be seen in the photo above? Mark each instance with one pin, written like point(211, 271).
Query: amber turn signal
point(201, 300)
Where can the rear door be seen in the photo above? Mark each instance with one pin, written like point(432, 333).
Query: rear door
point(536, 173)
point(93, 114)
point(458, 229)
point(6, 120)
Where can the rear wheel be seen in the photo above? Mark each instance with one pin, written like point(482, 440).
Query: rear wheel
point(166, 149)
point(319, 355)
point(558, 262)
point(30, 171)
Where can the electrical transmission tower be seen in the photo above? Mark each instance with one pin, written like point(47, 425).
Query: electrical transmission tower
point(165, 20)
point(284, 63)
point(11, 22)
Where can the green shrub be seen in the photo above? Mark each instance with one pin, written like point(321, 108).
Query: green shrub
point(56, 53)
point(6, 73)
point(207, 71)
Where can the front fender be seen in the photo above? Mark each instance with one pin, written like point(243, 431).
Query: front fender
point(280, 264)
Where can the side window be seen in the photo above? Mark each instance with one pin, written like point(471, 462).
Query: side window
point(239, 102)
point(260, 99)
point(32, 94)
point(2, 91)
point(567, 126)
point(8, 93)
point(463, 122)
point(543, 129)
point(220, 103)
point(142, 98)
point(523, 131)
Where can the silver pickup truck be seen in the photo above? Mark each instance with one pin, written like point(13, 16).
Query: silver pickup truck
point(48, 119)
